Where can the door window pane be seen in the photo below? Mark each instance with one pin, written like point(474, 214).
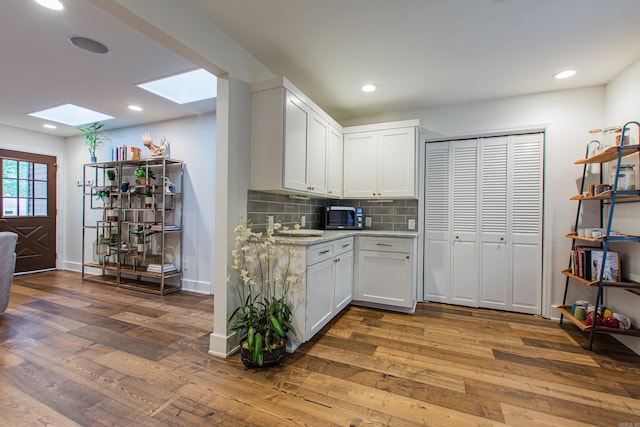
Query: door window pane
point(10, 188)
point(25, 207)
point(25, 170)
point(9, 206)
point(40, 190)
point(9, 168)
point(39, 171)
point(40, 207)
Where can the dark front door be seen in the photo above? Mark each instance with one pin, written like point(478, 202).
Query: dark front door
point(29, 207)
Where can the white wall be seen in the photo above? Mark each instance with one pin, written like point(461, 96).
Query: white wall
point(622, 104)
point(193, 140)
point(12, 138)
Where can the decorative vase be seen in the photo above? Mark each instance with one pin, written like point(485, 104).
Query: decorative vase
point(274, 357)
point(94, 159)
point(140, 248)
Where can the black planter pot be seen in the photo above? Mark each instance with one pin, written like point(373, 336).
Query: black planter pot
point(273, 358)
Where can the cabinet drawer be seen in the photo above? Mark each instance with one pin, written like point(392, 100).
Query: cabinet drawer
point(343, 245)
point(385, 244)
point(320, 252)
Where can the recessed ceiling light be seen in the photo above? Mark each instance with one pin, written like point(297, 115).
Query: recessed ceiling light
point(51, 4)
point(49, 126)
point(89, 45)
point(184, 88)
point(564, 74)
point(369, 87)
point(71, 115)
point(134, 108)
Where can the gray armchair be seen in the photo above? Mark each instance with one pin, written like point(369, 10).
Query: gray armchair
point(8, 242)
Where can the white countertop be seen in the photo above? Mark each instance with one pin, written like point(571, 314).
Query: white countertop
point(329, 235)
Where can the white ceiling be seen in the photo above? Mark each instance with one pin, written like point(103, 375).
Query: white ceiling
point(421, 53)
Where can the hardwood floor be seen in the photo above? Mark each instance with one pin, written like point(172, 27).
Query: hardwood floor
point(79, 353)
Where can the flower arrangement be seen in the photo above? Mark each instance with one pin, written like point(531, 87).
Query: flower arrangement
point(264, 281)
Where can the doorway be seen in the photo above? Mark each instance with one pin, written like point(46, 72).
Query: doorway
point(28, 207)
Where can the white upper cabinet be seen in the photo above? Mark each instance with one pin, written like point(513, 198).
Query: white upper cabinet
point(290, 140)
point(360, 164)
point(295, 143)
point(334, 163)
point(380, 160)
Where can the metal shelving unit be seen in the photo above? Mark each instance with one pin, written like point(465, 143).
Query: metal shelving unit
point(153, 210)
point(611, 198)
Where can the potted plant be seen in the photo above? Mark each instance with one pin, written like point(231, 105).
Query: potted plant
point(264, 279)
point(111, 177)
point(148, 199)
point(139, 234)
point(103, 195)
point(94, 137)
point(143, 174)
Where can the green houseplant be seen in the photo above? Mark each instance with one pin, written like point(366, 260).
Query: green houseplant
point(111, 176)
point(139, 234)
point(264, 280)
point(94, 137)
point(143, 174)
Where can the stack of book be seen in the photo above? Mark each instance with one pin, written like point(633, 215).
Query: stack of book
point(161, 268)
point(586, 262)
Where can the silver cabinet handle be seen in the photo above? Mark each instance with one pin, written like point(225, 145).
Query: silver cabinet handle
point(346, 245)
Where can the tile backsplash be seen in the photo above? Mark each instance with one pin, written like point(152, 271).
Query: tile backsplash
point(388, 215)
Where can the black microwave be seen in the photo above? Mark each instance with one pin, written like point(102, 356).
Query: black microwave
point(342, 218)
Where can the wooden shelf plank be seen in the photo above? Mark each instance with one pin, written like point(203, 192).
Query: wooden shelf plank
point(566, 311)
point(628, 284)
point(607, 195)
point(609, 154)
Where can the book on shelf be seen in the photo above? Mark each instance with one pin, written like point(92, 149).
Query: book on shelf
point(167, 227)
point(135, 153)
point(161, 268)
point(586, 262)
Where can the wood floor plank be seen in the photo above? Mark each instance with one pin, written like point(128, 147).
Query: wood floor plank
point(19, 408)
point(74, 352)
point(541, 403)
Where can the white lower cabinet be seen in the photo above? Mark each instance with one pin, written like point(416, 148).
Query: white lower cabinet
point(328, 286)
point(385, 273)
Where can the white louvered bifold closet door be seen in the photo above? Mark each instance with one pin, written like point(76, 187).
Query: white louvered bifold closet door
point(526, 170)
point(483, 222)
point(437, 230)
point(493, 272)
point(464, 278)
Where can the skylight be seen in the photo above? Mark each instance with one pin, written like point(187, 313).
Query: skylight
point(184, 88)
point(71, 115)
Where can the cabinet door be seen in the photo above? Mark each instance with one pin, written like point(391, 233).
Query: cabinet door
point(396, 162)
point(317, 139)
point(319, 296)
point(334, 163)
point(295, 144)
point(360, 164)
point(385, 278)
point(343, 281)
